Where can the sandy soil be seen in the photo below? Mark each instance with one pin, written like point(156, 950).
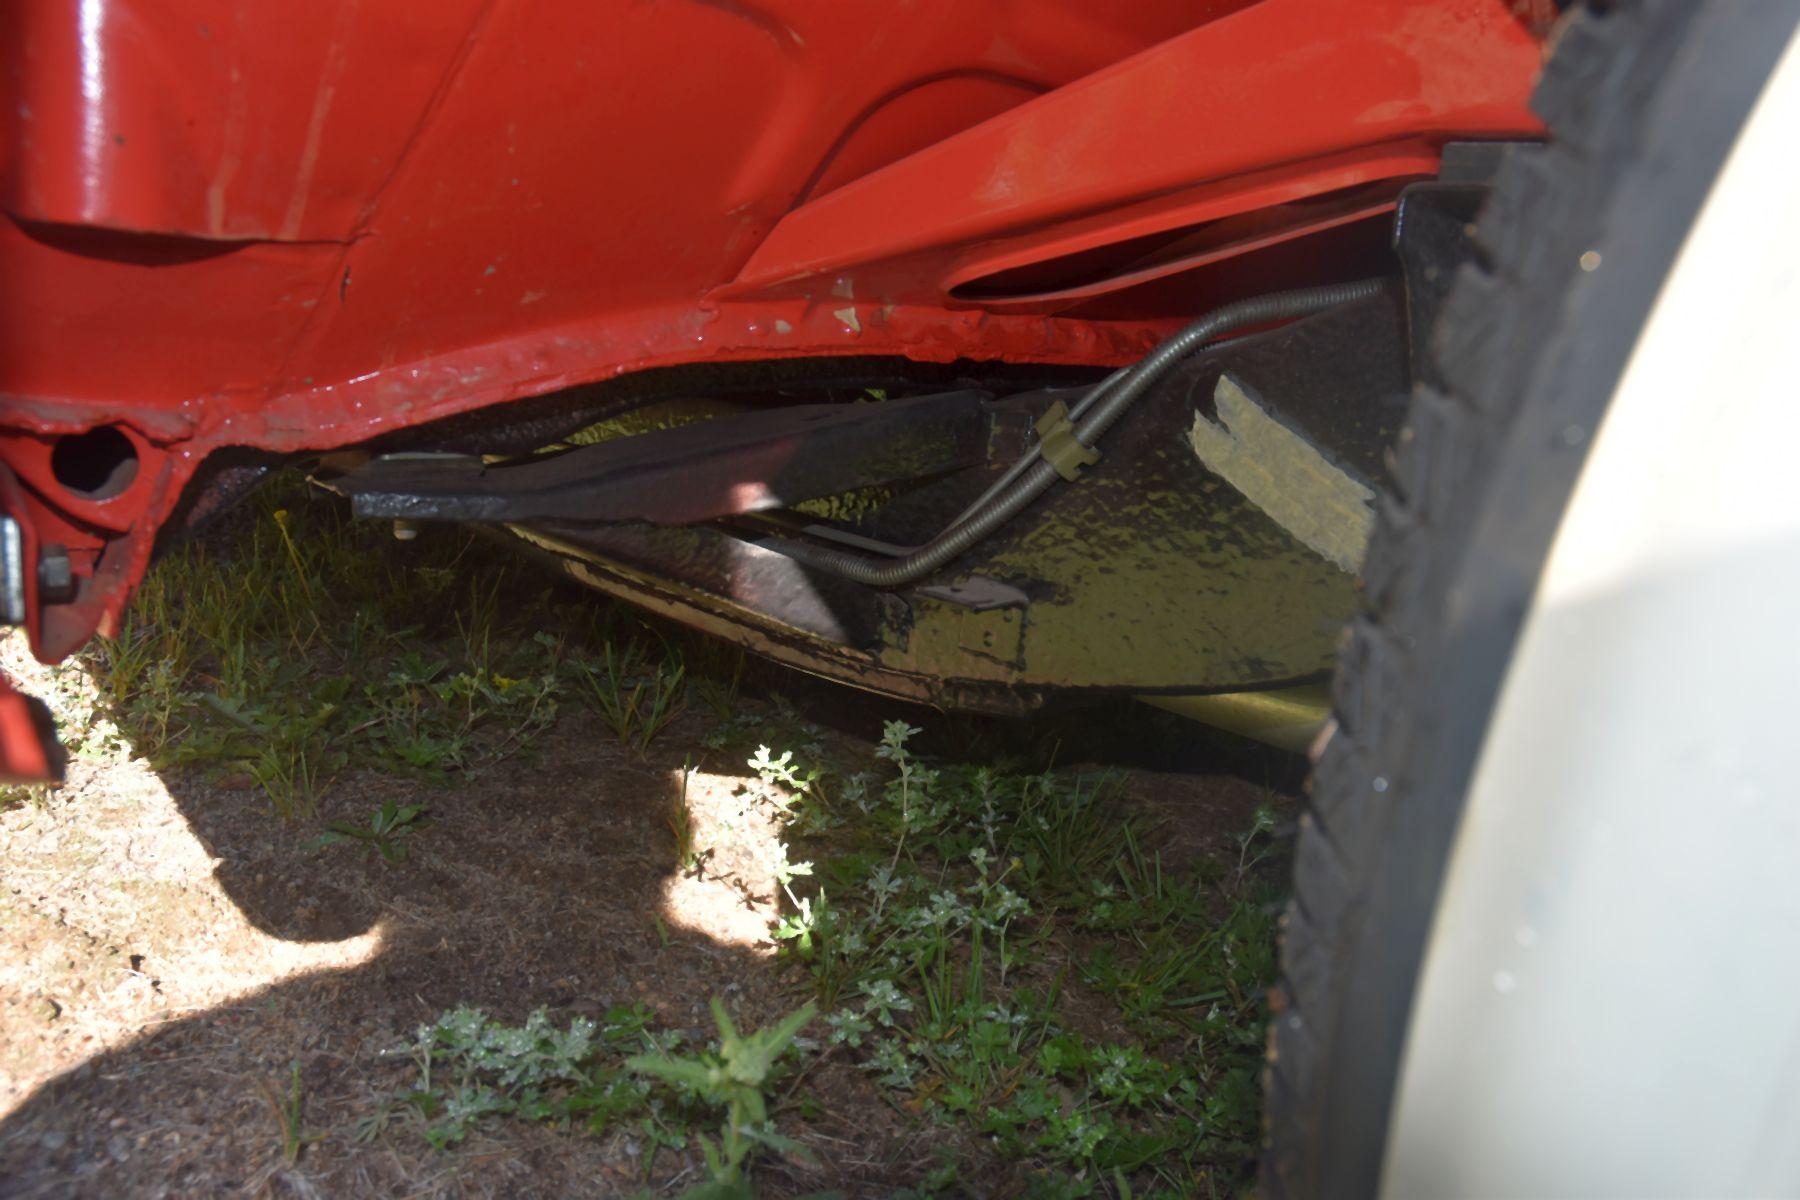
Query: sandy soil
point(168, 949)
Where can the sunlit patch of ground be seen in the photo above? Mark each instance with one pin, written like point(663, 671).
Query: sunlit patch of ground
point(112, 926)
point(170, 950)
point(731, 894)
point(195, 999)
point(109, 924)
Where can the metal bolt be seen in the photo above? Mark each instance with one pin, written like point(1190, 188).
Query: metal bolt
point(56, 579)
point(12, 572)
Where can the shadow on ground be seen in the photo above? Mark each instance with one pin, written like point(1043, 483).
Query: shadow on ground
point(547, 883)
point(169, 951)
point(533, 886)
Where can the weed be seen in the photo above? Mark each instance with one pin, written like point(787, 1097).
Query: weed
point(1257, 837)
point(688, 857)
point(957, 926)
point(387, 831)
point(795, 790)
point(635, 700)
point(471, 1067)
point(798, 926)
point(601, 1074)
point(732, 1078)
point(720, 685)
point(16, 795)
point(777, 723)
point(976, 901)
point(289, 1115)
point(312, 645)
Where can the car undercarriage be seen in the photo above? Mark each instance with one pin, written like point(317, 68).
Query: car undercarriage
point(983, 355)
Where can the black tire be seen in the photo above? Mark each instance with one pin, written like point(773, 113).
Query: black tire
point(1643, 101)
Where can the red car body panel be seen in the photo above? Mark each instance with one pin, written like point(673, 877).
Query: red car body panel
point(296, 227)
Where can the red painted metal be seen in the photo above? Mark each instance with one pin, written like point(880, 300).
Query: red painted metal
point(26, 754)
point(1191, 119)
point(294, 227)
point(225, 121)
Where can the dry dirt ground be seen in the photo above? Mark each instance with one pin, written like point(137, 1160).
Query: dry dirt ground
point(169, 950)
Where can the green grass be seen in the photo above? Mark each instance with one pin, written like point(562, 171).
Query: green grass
point(289, 1108)
point(635, 698)
point(312, 645)
point(602, 1075)
point(998, 952)
point(732, 1077)
point(387, 832)
point(945, 940)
